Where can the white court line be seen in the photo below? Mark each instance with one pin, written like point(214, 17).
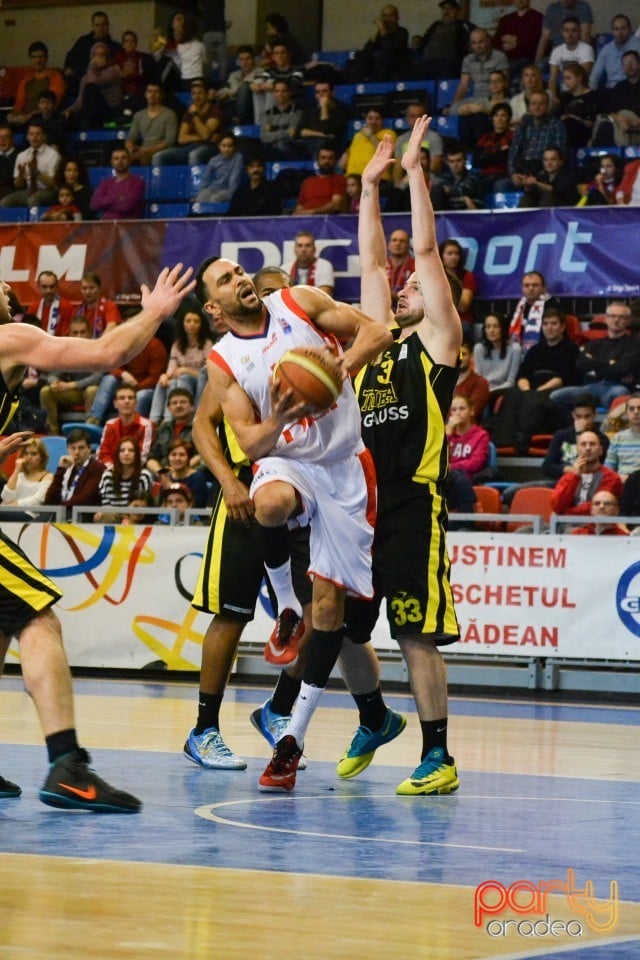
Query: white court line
point(206, 812)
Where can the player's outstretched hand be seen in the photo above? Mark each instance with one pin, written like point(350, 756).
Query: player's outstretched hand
point(170, 289)
point(411, 157)
point(379, 163)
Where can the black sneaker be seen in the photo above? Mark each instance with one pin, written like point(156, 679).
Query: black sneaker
point(73, 785)
point(8, 789)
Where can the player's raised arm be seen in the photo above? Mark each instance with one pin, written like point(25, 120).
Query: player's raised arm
point(442, 330)
point(375, 295)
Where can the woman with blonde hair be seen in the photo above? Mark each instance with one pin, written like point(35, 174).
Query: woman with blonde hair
point(30, 479)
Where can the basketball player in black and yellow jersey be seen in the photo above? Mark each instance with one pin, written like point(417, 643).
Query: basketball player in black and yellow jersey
point(26, 595)
point(404, 398)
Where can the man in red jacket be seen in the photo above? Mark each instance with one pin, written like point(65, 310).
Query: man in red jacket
point(76, 481)
point(128, 423)
point(575, 489)
point(52, 310)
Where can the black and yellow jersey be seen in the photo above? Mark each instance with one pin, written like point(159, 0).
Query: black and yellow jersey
point(404, 399)
point(8, 405)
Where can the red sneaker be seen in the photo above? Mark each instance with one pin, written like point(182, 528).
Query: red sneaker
point(281, 649)
point(280, 774)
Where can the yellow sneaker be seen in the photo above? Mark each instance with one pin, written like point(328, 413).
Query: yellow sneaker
point(365, 742)
point(434, 775)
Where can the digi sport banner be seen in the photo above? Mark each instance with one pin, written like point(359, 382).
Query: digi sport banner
point(581, 252)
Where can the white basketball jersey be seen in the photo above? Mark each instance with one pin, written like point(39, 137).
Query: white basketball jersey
point(251, 360)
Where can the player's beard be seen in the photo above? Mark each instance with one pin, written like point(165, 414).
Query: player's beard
point(408, 318)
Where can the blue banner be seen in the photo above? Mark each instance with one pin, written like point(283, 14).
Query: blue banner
point(581, 252)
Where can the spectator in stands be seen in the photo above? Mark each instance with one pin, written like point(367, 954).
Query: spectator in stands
point(454, 258)
point(276, 30)
point(102, 312)
point(365, 143)
point(536, 133)
point(72, 173)
point(176, 496)
point(576, 488)
point(99, 99)
point(52, 310)
point(572, 50)
point(198, 133)
point(385, 55)
point(610, 367)
point(187, 359)
point(140, 374)
point(40, 78)
point(127, 424)
point(531, 81)
point(180, 456)
point(136, 70)
point(353, 190)
point(188, 52)
point(76, 481)
point(444, 45)
point(34, 172)
point(29, 480)
point(578, 105)
point(280, 123)
point(65, 210)
point(476, 70)
point(432, 141)
point(76, 61)
point(308, 268)
point(258, 197)
point(459, 188)
point(526, 323)
point(67, 391)
point(547, 366)
point(237, 95)
point(400, 263)
point(324, 192)
point(604, 504)
point(491, 153)
point(324, 124)
point(517, 34)
point(554, 17)
point(468, 442)
point(630, 499)
point(555, 185)
point(620, 124)
point(497, 358)
point(222, 174)
point(124, 480)
point(214, 36)
point(474, 114)
point(628, 191)
point(470, 384)
point(602, 189)
point(8, 155)
point(608, 70)
point(177, 425)
point(120, 196)
point(153, 129)
point(282, 68)
point(623, 455)
point(52, 120)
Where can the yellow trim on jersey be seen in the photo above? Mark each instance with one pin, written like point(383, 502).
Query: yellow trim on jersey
point(237, 454)
point(429, 465)
point(33, 588)
point(7, 417)
point(211, 566)
point(438, 585)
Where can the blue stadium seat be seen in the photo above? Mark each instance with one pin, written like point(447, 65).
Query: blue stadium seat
point(274, 167)
point(631, 153)
point(97, 136)
point(344, 92)
point(370, 87)
point(195, 178)
point(503, 201)
point(169, 183)
point(209, 209)
point(339, 58)
point(96, 174)
point(447, 126)
point(251, 130)
point(445, 92)
point(582, 153)
point(56, 447)
point(14, 214)
point(93, 429)
point(35, 213)
point(599, 41)
point(168, 211)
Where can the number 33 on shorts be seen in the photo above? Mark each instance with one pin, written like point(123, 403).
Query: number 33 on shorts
point(406, 609)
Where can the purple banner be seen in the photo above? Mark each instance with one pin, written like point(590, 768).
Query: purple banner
point(581, 252)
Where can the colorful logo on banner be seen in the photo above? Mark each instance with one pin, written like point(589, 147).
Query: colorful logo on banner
point(628, 598)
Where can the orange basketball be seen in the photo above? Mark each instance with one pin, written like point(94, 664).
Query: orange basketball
point(312, 374)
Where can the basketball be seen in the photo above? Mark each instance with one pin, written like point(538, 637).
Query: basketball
point(312, 374)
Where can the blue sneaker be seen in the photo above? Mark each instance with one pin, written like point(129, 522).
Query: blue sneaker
point(365, 743)
point(436, 774)
point(8, 790)
point(209, 750)
point(272, 726)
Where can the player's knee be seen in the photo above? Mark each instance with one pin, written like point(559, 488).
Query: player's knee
point(274, 504)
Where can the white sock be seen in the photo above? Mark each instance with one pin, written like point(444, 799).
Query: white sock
point(282, 584)
point(307, 701)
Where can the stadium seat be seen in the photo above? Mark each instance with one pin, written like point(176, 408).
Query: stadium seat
point(14, 214)
point(533, 500)
point(208, 209)
point(168, 211)
point(503, 201)
point(56, 447)
point(274, 167)
point(448, 126)
point(344, 92)
point(488, 501)
point(195, 179)
point(445, 92)
point(632, 153)
point(96, 174)
point(169, 183)
point(339, 58)
point(93, 429)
